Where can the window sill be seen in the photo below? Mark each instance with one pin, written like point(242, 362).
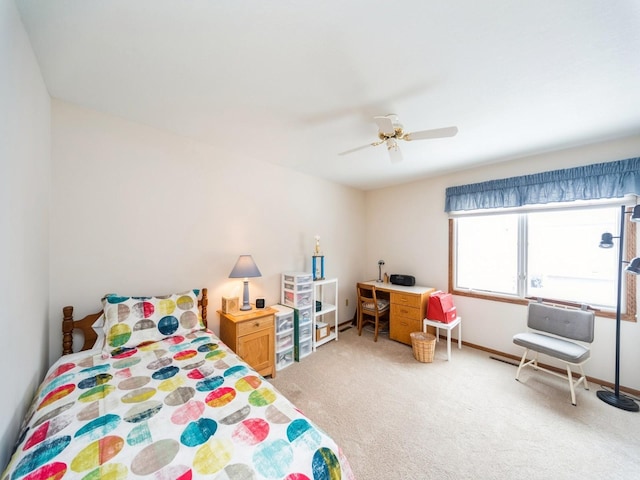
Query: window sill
point(525, 301)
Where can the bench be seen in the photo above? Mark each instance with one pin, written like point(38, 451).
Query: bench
point(561, 333)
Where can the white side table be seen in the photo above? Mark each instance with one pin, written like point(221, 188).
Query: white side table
point(448, 327)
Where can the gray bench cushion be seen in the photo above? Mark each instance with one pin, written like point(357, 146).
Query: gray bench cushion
point(564, 322)
point(555, 347)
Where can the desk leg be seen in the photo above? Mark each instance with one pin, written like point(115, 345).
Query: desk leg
point(460, 335)
point(448, 344)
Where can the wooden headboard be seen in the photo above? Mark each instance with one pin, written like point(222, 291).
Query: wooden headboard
point(85, 325)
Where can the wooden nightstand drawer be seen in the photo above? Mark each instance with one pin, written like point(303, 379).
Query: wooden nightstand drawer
point(405, 299)
point(402, 311)
point(255, 325)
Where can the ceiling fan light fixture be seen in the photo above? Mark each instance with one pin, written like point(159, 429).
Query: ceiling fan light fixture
point(390, 130)
point(395, 155)
point(394, 120)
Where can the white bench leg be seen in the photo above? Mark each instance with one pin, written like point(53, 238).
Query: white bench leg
point(569, 375)
point(573, 392)
point(524, 357)
point(584, 378)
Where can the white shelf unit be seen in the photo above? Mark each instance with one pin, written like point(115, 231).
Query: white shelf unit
point(297, 293)
point(325, 308)
point(284, 344)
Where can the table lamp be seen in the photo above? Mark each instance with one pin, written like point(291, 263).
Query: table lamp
point(245, 268)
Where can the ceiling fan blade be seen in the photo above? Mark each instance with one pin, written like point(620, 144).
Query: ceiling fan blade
point(435, 133)
point(362, 147)
point(385, 125)
point(394, 151)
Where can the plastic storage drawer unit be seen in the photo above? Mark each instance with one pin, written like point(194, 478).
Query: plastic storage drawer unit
point(284, 341)
point(284, 359)
point(297, 277)
point(297, 287)
point(305, 331)
point(306, 347)
point(284, 322)
point(302, 315)
point(294, 299)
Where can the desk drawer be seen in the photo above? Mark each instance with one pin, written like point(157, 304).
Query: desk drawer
point(405, 299)
point(402, 311)
point(400, 329)
point(251, 326)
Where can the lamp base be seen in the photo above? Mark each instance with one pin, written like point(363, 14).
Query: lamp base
point(245, 296)
point(620, 401)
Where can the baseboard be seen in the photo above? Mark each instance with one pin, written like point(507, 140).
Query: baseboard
point(631, 391)
point(344, 326)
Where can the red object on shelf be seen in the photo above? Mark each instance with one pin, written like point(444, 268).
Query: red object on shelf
point(441, 307)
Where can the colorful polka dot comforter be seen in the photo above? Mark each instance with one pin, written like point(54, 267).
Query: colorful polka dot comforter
point(181, 408)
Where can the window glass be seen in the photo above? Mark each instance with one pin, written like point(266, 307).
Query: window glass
point(552, 254)
point(487, 253)
point(564, 261)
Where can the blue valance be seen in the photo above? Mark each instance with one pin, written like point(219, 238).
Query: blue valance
point(601, 180)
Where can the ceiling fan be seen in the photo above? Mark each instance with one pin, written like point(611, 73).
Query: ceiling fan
point(390, 130)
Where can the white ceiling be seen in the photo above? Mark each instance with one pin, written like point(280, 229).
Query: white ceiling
point(295, 82)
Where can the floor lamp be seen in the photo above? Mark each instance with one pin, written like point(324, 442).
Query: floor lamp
point(615, 398)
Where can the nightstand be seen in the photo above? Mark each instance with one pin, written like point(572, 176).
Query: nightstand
point(251, 335)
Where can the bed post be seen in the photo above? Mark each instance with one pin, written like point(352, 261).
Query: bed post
point(67, 330)
point(204, 302)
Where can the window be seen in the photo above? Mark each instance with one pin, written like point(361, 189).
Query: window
point(487, 254)
point(551, 254)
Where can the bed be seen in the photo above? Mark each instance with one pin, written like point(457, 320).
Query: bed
point(159, 396)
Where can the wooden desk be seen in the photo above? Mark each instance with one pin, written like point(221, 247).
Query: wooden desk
point(408, 308)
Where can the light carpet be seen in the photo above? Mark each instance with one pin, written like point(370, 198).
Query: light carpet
point(397, 418)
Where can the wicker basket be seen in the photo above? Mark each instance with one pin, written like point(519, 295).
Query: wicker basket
point(424, 346)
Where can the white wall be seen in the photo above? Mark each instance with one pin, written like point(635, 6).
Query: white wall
point(139, 211)
point(25, 173)
point(417, 244)
point(136, 210)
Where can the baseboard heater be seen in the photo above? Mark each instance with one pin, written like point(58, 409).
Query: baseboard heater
point(505, 360)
